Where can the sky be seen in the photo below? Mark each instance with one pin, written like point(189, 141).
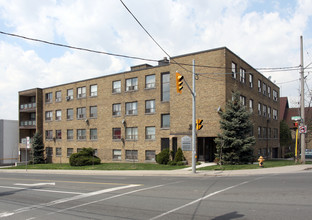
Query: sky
point(264, 33)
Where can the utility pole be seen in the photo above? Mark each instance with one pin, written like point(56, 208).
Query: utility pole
point(302, 102)
point(194, 123)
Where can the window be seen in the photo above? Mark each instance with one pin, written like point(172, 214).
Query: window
point(48, 97)
point(259, 132)
point(93, 111)
point(95, 152)
point(93, 90)
point(165, 120)
point(117, 109)
point(264, 88)
point(116, 154)
point(48, 116)
point(131, 108)
point(58, 134)
point(150, 82)
point(250, 80)
point(70, 94)
point(131, 154)
point(269, 133)
point(264, 108)
point(234, 70)
point(275, 133)
point(269, 112)
point(69, 151)
point(81, 134)
point(259, 109)
point(70, 114)
point(81, 92)
point(259, 85)
point(165, 87)
point(70, 134)
point(250, 105)
point(150, 106)
point(49, 151)
point(274, 95)
point(58, 115)
point(242, 100)
point(116, 133)
point(58, 152)
point(264, 132)
point(117, 86)
point(93, 134)
point(242, 75)
point(81, 113)
point(150, 155)
point(132, 84)
point(132, 133)
point(150, 133)
point(49, 134)
point(58, 96)
point(79, 149)
point(269, 91)
point(274, 114)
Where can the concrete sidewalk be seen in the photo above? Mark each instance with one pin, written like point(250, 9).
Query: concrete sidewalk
point(179, 172)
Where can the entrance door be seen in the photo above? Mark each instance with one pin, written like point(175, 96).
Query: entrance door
point(206, 149)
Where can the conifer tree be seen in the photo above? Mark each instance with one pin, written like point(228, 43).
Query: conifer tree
point(38, 149)
point(234, 143)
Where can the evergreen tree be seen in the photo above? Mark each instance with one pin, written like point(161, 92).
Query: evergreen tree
point(285, 134)
point(234, 144)
point(38, 149)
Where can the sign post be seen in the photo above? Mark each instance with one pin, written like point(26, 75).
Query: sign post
point(27, 146)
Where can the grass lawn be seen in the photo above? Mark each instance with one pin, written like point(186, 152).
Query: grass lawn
point(103, 166)
point(266, 164)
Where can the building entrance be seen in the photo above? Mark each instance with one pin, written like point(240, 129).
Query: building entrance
point(206, 149)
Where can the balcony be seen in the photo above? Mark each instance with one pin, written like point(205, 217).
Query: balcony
point(28, 124)
point(28, 107)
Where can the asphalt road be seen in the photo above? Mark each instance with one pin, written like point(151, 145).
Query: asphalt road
point(39, 196)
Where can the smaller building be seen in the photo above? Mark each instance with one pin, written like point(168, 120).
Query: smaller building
point(8, 141)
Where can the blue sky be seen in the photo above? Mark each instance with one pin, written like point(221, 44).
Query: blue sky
point(264, 33)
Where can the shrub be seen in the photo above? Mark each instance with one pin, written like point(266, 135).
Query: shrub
point(179, 156)
point(84, 157)
point(163, 157)
point(289, 155)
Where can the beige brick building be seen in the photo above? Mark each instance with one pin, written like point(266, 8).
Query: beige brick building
point(133, 115)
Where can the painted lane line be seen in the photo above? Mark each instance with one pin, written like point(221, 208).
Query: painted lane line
point(40, 190)
point(59, 201)
point(34, 184)
point(200, 199)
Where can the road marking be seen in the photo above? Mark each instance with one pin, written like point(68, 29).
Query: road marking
point(40, 190)
point(34, 184)
point(203, 198)
point(59, 201)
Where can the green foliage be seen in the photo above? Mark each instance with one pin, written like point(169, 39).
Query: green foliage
point(289, 155)
point(84, 157)
point(235, 141)
point(285, 134)
point(179, 156)
point(163, 157)
point(38, 149)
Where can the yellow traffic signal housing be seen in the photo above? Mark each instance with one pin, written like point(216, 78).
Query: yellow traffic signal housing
point(179, 82)
point(199, 124)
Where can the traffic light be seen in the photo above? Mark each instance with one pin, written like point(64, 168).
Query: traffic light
point(179, 82)
point(199, 124)
point(296, 125)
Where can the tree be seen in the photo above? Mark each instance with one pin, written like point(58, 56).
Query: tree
point(38, 149)
point(285, 134)
point(234, 144)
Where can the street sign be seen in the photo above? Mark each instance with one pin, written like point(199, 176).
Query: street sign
point(296, 118)
point(303, 129)
point(27, 142)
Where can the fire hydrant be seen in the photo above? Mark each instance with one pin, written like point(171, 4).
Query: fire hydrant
point(261, 159)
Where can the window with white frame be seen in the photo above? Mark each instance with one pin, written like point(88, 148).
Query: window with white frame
point(70, 94)
point(242, 100)
point(150, 81)
point(58, 151)
point(250, 80)
point(49, 151)
point(93, 111)
point(242, 75)
point(274, 114)
point(93, 134)
point(81, 113)
point(48, 134)
point(150, 106)
point(69, 151)
point(165, 120)
point(116, 154)
point(58, 96)
point(250, 105)
point(48, 97)
point(259, 85)
point(259, 109)
point(58, 115)
point(264, 108)
point(132, 133)
point(234, 70)
point(264, 88)
point(93, 90)
point(70, 114)
point(81, 134)
point(150, 155)
point(58, 134)
point(70, 134)
point(269, 91)
point(165, 87)
point(274, 95)
point(116, 86)
point(131, 108)
point(131, 154)
point(81, 92)
point(116, 133)
point(269, 112)
point(48, 115)
point(117, 109)
point(132, 84)
point(150, 133)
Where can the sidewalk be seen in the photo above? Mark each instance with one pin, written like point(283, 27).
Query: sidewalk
point(180, 172)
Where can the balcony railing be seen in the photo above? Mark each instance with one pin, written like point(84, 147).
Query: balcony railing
point(31, 123)
point(27, 106)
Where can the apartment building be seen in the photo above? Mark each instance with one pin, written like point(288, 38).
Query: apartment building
point(133, 115)
point(8, 141)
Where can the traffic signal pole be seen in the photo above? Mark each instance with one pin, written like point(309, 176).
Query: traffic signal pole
point(194, 122)
point(302, 136)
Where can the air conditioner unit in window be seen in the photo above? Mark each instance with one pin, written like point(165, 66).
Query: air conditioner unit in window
point(67, 98)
